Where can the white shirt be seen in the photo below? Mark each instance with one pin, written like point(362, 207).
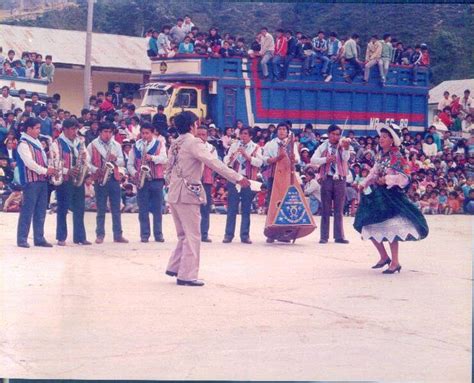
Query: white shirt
point(161, 158)
point(319, 160)
point(313, 188)
point(444, 103)
point(270, 150)
point(19, 103)
point(7, 103)
point(255, 160)
point(116, 150)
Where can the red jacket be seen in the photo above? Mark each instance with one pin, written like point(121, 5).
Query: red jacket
point(106, 106)
point(281, 46)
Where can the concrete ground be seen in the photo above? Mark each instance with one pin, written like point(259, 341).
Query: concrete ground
point(301, 312)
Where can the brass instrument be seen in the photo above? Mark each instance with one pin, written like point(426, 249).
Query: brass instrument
point(144, 169)
point(108, 167)
point(57, 164)
point(81, 165)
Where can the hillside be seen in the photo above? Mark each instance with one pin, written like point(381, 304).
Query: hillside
point(447, 29)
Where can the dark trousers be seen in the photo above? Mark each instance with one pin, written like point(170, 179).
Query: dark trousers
point(206, 211)
point(150, 199)
point(332, 191)
point(234, 198)
point(35, 202)
point(286, 66)
point(356, 67)
point(277, 61)
point(71, 197)
point(110, 190)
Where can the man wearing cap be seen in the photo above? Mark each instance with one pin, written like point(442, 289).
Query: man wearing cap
point(104, 150)
point(150, 195)
point(187, 155)
point(332, 157)
point(68, 148)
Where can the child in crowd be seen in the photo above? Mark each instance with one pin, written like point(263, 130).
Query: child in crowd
point(90, 201)
point(443, 200)
point(453, 205)
point(434, 204)
point(14, 201)
point(425, 204)
point(130, 200)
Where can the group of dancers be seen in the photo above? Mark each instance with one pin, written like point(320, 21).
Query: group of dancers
point(385, 214)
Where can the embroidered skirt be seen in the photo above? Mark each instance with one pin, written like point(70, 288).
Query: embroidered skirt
point(388, 215)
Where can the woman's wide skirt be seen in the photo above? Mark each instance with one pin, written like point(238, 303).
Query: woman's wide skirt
point(388, 215)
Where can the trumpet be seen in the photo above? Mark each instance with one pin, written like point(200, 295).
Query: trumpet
point(144, 169)
point(57, 164)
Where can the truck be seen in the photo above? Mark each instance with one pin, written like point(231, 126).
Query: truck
point(230, 89)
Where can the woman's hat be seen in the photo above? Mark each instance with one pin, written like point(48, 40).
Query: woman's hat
point(394, 131)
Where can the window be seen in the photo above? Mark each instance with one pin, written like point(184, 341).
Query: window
point(126, 89)
point(186, 98)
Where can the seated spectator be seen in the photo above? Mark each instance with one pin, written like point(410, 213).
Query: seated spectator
point(188, 25)
point(320, 47)
point(281, 49)
point(213, 41)
point(373, 56)
point(240, 50)
point(467, 127)
point(469, 203)
point(8, 71)
point(453, 204)
point(19, 69)
point(266, 52)
point(312, 190)
point(130, 201)
point(445, 117)
point(200, 46)
point(351, 58)
point(46, 71)
point(398, 54)
point(226, 50)
point(255, 47)
point(186, 47)
point(89, 192)
point(164, 43)
point(152, 50)
point(429, 147)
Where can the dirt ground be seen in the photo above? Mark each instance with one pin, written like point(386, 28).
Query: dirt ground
point(268, 312)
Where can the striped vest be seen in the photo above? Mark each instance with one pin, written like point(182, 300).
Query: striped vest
point(250, 171)
point(341, 166)
point(156, 170)
point(66, 155)
point(208, 174)
point(96, 158)
point(27, 175)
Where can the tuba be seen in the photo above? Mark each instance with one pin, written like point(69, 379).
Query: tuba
point(81, 165)
point(57, 164)
point(144, 169)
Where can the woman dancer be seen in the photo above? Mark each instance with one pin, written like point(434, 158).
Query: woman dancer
point(385, 213)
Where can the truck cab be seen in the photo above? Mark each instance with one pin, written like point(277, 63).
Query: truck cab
point(174, 97)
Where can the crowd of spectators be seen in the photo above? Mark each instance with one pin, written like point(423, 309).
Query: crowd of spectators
point(441, 161)
point(276, 52)
point(29, 66)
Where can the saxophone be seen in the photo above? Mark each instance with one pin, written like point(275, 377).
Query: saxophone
point(81, 166)
point(57, 164)
point(107, 168)
point(144, 169)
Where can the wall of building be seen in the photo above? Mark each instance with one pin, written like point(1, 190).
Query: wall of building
point(68, 83)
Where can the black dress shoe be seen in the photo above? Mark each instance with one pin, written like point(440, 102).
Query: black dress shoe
point(323, 241)
point(144, 240)
point(195, 283)
point(26, 245)
point(84, 243)
point(43, 244)
point(159, 239)
point(379, 265)
point(284, 240)
point(227, 240)
point(246, 240)
point(171, 273)
point(207, 239)
point(344, 241)
point(388, 271)
point(270, 240)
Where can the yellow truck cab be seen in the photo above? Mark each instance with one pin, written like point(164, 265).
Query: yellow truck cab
point(174, 97)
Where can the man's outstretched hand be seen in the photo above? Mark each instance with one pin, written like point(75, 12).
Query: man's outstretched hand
point(244, 182)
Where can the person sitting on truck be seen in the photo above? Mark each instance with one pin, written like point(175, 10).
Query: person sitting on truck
point(372, 56)
point(186, 47)
point(177, 33)
point(200, 47)
point(240, 50)
point(291, 53)
point(152, 50)
point(281, 49)
point(320, 46)
point(164, 43)
point(334, 45)
point(213, 41)
point(351, 57)
point(226, 50)
point(398, 54)
point(386, 56)
point(256, 46)
point(266, 51)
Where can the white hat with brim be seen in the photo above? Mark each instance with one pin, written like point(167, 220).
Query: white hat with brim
point(393, 130)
